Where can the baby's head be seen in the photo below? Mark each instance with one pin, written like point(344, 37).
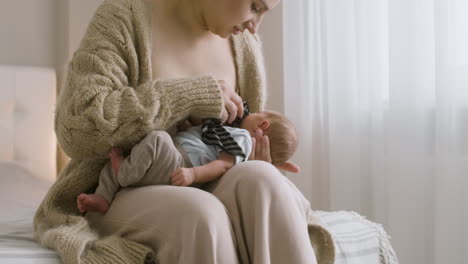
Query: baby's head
point(280, 131)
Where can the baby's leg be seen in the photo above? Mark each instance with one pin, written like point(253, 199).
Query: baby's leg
point(116, 158)
point(104, 194)
point(92, 202)
point(151, 161)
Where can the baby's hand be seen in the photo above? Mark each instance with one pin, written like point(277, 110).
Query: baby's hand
point(195, 121)
point(184, 125)
point(183, 176)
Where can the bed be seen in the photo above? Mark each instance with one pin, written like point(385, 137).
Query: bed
point(28, 164)
point(27, 159)
point(20, 195)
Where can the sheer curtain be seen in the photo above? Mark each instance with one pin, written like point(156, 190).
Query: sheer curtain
point(379, 92)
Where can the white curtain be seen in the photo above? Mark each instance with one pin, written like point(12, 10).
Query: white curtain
point(379, 92)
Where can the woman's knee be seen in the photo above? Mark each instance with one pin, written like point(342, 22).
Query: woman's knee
point(257, 175)
point(258, 178)
point(191, 207)
point(206, 212)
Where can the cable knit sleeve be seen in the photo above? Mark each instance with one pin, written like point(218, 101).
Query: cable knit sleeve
point(109, 98)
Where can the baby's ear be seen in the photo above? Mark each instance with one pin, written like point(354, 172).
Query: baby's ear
point(265, 125)
point(289, 166)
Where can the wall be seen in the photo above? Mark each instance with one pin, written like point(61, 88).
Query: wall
point(80, 12)
point(27, 30)
point(42, 33)
point(271, 33)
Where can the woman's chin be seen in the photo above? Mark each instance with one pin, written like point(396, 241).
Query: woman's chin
point(224, 33)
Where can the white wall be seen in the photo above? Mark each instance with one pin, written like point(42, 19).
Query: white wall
point(74, 16)
point(271, 32)
point(80, 13)
point(27, 32)
point(42, 33)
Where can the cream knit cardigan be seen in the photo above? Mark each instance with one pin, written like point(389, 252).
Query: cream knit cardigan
point(110, 99)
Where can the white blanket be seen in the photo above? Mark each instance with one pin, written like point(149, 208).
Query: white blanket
point(357, 240)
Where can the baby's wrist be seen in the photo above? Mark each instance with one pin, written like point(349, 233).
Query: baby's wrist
point(196, 177)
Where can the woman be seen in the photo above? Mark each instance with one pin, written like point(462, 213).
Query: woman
point(146, 65)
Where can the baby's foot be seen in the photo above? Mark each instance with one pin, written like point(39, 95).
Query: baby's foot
point(92, 202)
point(116, 158)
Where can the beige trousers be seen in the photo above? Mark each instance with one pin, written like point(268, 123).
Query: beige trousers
point(252, 214)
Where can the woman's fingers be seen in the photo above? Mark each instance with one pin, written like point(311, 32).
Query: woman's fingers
point(259, 145)
point(252, 153)
point(240, 106)
point(232, 103)
point(224, 115)
point(266, 156)
point(232, 111)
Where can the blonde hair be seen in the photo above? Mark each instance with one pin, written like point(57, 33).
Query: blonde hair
point(283, 137)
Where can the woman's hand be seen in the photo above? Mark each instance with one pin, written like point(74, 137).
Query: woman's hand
point(260, 147)
point(233, 106)
point(261, 151)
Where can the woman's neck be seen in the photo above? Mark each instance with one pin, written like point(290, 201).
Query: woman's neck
point(186, 14)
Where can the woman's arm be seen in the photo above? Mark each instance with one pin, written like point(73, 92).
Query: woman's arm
point(109, 98)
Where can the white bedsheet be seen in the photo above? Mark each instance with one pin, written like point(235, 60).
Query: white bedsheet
point(20, 195)
point(17, 245)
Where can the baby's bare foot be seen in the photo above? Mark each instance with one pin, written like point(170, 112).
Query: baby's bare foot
point(116, 158)
point(92, 202)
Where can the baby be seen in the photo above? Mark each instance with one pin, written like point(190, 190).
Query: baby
point(186, 160)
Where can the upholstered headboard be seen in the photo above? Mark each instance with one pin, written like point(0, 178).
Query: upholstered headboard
point(27, 102)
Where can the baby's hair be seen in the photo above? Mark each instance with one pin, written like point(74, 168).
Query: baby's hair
point(283, 137)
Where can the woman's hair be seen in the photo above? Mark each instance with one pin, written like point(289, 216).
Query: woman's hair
point(283, 137)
